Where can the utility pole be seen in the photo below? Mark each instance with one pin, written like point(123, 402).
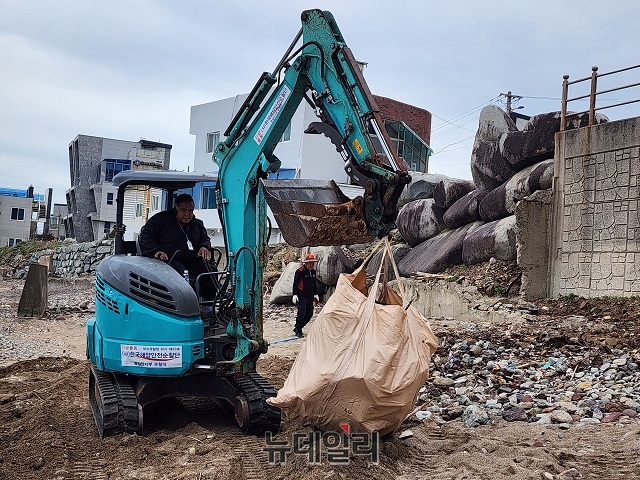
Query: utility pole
point(510, 97)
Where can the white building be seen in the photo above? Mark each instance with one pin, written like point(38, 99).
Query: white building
point(302, 155)
point(23, 214)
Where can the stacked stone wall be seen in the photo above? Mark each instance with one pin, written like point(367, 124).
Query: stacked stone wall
point(73, 260)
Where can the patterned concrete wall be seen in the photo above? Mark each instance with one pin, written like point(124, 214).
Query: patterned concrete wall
point(596, 227)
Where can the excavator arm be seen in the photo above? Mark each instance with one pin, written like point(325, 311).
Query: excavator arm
point(324, 73)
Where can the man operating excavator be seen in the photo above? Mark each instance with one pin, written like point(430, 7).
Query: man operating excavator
point(178, 237)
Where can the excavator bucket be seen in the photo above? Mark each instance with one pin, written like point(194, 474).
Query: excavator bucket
point(313, 213)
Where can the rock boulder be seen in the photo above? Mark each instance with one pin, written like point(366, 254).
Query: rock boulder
point(501, 202)
point(495, 239)
point(449, 190)
point(536, 142)
point(464, 210)
point(333, 262)
point(488, 168)
point(421, 186)
point(419, 220)
point(437, 253)
point(283, 289)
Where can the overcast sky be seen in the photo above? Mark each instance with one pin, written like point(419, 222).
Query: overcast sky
point(128, 69)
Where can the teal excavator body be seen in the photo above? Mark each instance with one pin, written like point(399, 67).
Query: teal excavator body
point(153, 337)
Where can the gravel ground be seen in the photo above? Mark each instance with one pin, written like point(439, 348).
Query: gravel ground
point(551, 396)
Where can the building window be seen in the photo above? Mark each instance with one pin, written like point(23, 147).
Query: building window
point(53, 221)
point(13, 241)
point(283, 173)
point(155, 202)
point(17, 213)
point(107, 227)
point(138, 209)
point(286, 135)
point(208, 198)
point(109, 198)
point(114, 166)
point(212, 140)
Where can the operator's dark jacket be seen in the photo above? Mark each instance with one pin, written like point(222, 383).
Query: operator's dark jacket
point(163, 233)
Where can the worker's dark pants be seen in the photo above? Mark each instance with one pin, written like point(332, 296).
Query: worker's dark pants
point(196, 266)
point(305, 312)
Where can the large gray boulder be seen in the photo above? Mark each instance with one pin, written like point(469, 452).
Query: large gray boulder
point(464, 210)
point(437, 253)
point(449, 190)
point(419, 220)
point(332, 262)
point(536, 142)
point(501, 202)
point(494, 239)
point(488, 168)
point(421, 186)
point(398, 250)
point(283, 289)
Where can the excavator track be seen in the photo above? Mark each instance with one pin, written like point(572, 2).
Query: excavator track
point(113, 403)
point(253, 414)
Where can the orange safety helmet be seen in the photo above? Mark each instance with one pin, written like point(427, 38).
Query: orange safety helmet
point(310, 258)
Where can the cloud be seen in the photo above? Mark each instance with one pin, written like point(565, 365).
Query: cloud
point(126, 70)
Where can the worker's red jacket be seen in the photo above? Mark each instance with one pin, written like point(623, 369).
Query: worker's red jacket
point(304, 283)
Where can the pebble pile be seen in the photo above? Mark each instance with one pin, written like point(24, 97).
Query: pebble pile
point(479, 382)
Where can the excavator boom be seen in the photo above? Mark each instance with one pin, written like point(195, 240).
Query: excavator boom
point(324, 72)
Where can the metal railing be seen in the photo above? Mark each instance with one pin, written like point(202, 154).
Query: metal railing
point(592, 95)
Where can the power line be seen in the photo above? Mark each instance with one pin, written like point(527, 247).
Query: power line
point(453, 143)
point(452, 152)
point(463, 114)
point(579, 99)
point(541, 98)
point(459, 127)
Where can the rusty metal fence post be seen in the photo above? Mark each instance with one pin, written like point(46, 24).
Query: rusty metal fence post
point(592, 95)
point(565, 93)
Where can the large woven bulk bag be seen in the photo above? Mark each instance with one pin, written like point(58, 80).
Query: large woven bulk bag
point(364, 360)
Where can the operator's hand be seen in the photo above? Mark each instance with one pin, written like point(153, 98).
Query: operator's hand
point(316, 299)
point(295, 299)
point(205, 253)
point(161, 256)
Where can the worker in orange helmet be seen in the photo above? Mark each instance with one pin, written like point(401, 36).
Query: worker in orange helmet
point(304, 292)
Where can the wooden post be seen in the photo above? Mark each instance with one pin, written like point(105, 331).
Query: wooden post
point(34, 298)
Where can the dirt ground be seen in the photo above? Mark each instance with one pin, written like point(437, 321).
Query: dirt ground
point(47, 430)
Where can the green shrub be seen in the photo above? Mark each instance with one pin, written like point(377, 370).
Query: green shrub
point(20, 253)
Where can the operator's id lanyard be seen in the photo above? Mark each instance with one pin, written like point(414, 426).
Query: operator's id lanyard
point(189, 244)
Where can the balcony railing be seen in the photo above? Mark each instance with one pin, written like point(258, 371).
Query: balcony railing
point(592, 95)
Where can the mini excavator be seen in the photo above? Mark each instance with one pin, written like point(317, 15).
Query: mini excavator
point(153, 337)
